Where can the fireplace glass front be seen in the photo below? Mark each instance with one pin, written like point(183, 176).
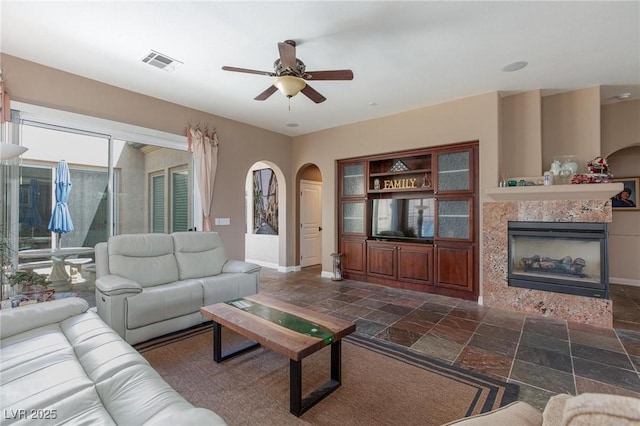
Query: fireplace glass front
point(562, 257)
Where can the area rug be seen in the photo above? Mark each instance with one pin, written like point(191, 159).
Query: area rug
point(381, 383)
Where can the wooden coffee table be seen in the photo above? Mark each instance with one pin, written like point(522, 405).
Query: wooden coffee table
point(272, 323)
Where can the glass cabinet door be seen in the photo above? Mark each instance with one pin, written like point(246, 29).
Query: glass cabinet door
point(353, 217)
point(353, 182)
point(454, 219)
point(454, 171)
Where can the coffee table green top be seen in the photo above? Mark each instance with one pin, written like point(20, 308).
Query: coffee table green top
point(284, 319)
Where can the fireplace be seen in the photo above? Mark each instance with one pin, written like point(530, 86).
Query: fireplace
point(561, 257)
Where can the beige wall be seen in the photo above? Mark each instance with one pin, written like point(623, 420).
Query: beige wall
point(620, 126)
point(474, 118)
point(571, 121)
point(571, 126)
point(241, 145)
point(521, 135)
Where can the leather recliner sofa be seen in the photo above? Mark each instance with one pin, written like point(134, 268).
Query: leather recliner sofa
point(148, 285)
point(61, 364)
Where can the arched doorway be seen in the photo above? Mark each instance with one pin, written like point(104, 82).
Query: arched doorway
point(265, 231)
point(309, 182)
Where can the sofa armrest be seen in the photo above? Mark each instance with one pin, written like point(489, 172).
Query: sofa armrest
point(112, 285)
point(239, 267)
point(19, 320)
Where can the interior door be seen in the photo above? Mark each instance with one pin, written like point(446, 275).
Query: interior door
point(310, 223)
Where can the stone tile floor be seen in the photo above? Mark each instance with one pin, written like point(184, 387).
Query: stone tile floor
point(543, 356)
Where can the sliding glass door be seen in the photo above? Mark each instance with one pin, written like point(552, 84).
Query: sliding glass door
point(86, 155)
point(115, 186)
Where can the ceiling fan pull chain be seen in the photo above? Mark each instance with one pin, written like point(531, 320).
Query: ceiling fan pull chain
point(289, 103)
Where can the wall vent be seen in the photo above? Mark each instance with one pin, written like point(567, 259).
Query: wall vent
point(161, 61)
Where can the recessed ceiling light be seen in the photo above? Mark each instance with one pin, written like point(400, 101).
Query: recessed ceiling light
point(515, 66)
point(373, 103)
point(623, 96)
point(292, 124)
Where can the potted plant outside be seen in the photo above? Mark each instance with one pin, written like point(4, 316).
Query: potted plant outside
point(31, 284)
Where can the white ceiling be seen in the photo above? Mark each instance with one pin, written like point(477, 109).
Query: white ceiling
point(404, 55)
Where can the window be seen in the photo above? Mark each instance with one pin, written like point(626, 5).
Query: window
point(157, 203)
point(179, 200)
point(170, 206)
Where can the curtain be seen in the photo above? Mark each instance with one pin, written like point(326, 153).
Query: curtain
point(204, 146)
point(5, 103)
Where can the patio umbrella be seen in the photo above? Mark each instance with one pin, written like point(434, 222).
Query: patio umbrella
point(60, 222)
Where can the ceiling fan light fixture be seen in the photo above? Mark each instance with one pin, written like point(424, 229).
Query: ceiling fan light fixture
point(289, 85)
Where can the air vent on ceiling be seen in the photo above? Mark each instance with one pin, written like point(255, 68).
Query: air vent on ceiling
point(161, 61)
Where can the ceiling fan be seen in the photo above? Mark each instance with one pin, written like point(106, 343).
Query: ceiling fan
point(292, 76)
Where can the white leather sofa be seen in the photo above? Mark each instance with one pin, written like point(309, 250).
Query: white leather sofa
point(148, 285)
point(60, 363)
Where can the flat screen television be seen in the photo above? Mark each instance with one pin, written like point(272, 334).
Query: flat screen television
point(402, 219)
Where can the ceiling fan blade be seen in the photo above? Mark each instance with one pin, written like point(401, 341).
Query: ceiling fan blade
point(264, 95)
point(328, 75)
point(267, 73)
point(287, 51)
point(311, 93)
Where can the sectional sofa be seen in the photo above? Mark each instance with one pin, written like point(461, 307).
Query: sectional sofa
point(148, 285)
point(60, 363)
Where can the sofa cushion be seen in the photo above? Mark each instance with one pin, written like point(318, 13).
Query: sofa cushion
point(163, 302)
point(199, 254)
point(39, 370)
point(144, 258)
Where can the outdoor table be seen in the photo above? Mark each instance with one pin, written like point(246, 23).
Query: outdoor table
point(58, 256)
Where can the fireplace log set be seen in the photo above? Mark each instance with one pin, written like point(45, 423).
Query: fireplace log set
point(566, 265)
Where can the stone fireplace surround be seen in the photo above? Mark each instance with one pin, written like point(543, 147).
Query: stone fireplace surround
point(516, 207)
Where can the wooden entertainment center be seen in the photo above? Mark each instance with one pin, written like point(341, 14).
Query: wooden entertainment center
point(409, 219)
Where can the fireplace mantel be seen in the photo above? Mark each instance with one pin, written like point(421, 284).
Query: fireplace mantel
point(594, 191)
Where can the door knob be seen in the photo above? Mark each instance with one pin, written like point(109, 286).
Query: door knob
point(319, 228)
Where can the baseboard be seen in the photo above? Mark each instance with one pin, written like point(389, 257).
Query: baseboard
point(271, 265)
point(624, 281)
point(326, 274)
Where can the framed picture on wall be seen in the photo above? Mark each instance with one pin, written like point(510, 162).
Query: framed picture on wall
point(628, 198)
